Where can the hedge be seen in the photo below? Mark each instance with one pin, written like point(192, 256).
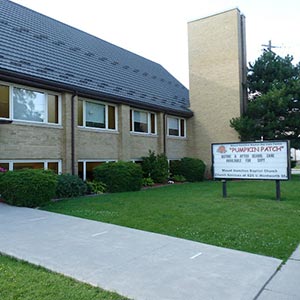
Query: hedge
point(191, 168)
point(70, 186)
point(28, 187)
point(119, 176)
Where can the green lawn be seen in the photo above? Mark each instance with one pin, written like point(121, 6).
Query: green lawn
point(23, 281)
point(250, 219)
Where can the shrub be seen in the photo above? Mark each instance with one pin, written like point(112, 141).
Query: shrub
point(192, 169)
point(179, 178)
point(293, 164)
point(28, 187)
point(148, 181)
point(156, 167)
point(119, 176)
point(174, 167)
point(95, 187)
point(69, 186)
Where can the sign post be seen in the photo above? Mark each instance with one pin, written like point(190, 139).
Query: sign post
point(224, 188)
point(264, 160)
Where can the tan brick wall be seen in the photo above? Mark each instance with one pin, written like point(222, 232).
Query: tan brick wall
point(140, 145)
point(22, 141)
point(27, 141)
point(97, 145)
point(176, 147)
point(215, 80)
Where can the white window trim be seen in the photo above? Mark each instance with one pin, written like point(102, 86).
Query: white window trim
point(84, 161)
point(84, 100)
point(12, 162)
point(45, 92)
point(148, 120)
point(179, 127)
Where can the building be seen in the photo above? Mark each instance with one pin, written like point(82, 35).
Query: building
point(76, 101)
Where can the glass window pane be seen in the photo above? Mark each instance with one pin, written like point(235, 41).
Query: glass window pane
point(89, 169)
point(131, 119)
point(111, 117)
point(4, 167)
point(173, 126)
point(4, 101)
point(53, 109)
point(182, 127)
point(153, 123)
point(80, 169)
point(18, 166)
point(95, 115)
point(53, 166)
point(80, 113)
point(140, 121)
point(28, 105)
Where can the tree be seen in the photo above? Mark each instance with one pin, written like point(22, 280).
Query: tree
point(270, 71)
point(273, 110)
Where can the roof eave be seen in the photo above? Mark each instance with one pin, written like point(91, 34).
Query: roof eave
point(20, 78)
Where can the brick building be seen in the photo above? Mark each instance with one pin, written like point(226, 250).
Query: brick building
point(75, 101)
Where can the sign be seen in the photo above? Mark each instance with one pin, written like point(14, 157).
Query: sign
point(252, 160)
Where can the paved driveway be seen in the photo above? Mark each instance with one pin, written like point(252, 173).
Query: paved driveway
point(134, 263)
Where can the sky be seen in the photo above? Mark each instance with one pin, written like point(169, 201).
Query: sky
point(157, 29)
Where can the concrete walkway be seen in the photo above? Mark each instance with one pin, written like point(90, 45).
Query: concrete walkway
point(286, 283)
point(136, 264)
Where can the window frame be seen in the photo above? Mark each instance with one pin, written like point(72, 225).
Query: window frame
point(46, 93)
point(179, 119)
point(84, 161)
point(149, 113)
point(11, 163)
point(106, 105)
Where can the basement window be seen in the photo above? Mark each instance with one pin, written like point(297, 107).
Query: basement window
point(86, 168)
point(14, 165)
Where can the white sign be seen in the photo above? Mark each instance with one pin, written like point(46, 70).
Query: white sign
point(255, 160)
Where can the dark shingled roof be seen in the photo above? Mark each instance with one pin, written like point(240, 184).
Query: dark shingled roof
point(38, 47)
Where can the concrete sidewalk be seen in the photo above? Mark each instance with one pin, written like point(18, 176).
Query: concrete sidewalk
point(137, 264)
point(285, 285)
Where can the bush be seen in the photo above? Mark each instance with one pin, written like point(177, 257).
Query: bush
point(95, 187)
point(70, 186)
point(119, 176)
point(192, 169)
point(174, 167)
point(147, 181)
point(293, 164)
point(27, 187)
point(156, 167)
point(179, 178)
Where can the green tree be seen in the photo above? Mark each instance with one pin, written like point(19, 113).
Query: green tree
point(273, 110)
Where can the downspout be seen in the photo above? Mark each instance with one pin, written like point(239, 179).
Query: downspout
point(73, 133)
point(164, 133)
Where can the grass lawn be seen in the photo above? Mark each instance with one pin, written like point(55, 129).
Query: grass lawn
point(23, 281)
point(250, 219)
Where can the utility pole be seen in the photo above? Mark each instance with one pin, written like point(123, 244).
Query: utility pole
point(270, 46)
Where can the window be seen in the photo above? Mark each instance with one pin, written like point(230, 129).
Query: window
point(142, 122)
point(28, 164)
point(96, 115)
point(28, 105)
point(176, 127)
point(85, 168)
point(4, 101)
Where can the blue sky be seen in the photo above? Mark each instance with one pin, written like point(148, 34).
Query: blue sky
point(157, 29)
